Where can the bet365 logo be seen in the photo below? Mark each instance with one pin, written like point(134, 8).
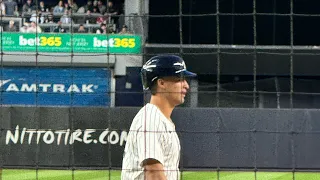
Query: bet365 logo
point(115, 42)
point(40, 41)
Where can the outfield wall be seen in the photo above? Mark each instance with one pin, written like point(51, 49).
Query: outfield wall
point(95, 137)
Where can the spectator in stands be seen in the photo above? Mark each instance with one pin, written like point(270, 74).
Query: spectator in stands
point(34, 16)
point(59, 29)
point(43, 7)
point(124, 30)
point(88, 18)
point(2, 8)
point(102, 20)
point(66, 17)
point(58, 8)
point(66, 6)
point(102, 29)
point(111, 12)
point(95, 8)
point(49, 19)
point(88, 6)
point(38, 18)
point(82, 29)
point(34, 28)
point(81, 10)
point(28, 7)
point(11, 27)
point(25, 27)
point(72, 5)
point(11, 8)
point(101, 7)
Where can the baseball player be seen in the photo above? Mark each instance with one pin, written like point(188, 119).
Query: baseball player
point(152, 149)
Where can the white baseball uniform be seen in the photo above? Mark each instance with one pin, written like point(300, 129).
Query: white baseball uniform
point(151, 135)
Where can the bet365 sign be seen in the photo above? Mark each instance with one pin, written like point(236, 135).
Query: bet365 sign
point(81, 43)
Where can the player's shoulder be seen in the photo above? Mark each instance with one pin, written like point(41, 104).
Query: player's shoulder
point(150, 113)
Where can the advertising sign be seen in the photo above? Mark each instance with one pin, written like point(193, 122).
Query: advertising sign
point(55, 86)
point(66, 43)
point(95, 137)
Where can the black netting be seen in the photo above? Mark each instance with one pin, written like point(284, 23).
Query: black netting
point(252, 58)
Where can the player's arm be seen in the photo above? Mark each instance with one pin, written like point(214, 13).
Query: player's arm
point(153, 170)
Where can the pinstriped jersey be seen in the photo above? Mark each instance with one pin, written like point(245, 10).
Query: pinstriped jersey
point(151, 135)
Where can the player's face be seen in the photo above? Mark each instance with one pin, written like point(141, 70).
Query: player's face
point(176, 89)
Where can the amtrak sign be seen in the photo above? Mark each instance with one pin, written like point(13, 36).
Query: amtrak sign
point(45, 86)
point(8, 86)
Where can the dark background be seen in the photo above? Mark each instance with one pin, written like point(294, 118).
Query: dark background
point(271, 29)
point(273, 24)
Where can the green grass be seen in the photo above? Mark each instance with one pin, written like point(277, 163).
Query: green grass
point(10, 174)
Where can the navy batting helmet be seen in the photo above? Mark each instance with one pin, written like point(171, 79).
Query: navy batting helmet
point(162, 66)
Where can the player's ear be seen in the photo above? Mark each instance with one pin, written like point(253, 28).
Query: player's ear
point(161, 83)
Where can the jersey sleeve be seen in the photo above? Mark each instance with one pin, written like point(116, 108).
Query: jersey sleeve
point(150, 139)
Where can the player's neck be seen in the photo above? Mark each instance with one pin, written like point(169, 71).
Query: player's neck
point(165, 107)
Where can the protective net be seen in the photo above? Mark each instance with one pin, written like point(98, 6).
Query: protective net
point(256, 56)
point(250, 114)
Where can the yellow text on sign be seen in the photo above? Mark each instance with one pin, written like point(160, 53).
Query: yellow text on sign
point(125, 42)
point(50, 41)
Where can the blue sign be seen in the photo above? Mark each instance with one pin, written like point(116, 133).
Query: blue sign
point(55, 86)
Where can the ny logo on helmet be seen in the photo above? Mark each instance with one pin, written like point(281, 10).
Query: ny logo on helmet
point(148, 66)
point(182, 65)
